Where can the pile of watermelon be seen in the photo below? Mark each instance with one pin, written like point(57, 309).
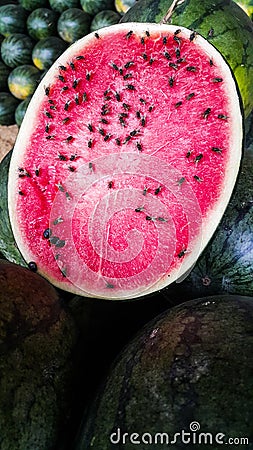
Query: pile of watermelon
point(33, 34)
point(126, 218)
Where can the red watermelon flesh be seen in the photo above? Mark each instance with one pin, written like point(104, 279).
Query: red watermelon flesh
point(126, 160)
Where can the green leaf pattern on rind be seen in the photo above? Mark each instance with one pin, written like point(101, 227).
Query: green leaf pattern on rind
point(7, 243)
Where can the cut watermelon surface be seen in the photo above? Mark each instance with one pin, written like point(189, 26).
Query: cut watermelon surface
point(125, 160)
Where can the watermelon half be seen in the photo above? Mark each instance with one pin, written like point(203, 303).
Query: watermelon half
point(125, 160)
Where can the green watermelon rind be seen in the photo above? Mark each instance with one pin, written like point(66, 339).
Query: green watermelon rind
point(231, 273)
point(8, 247)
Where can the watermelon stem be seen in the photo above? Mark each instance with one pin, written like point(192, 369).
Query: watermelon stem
point(170, 11)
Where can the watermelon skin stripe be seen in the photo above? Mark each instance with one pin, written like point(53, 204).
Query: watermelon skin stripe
point(75, 132)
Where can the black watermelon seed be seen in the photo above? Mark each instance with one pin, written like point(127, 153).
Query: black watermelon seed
point(47, 233)
point(32, 266)
point(79, 57)
point(217, 80)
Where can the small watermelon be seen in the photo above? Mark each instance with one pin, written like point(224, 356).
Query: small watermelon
point(8, 104)
point(92, 7)
point(131, 158)
point(12, 19)
point(247, 6)
point(21, 110)
point(185, 380)
point(122, 6)
point(73, 24)
point(222, 22)
point(231, 273)
point(46, 51)
point(16, 50)
point(104, 19)
point(30, 5)
point(23, 80)
point(42, 23)
point(61, 5)
point(8, 247)
point(37, 369)
point(4, 73)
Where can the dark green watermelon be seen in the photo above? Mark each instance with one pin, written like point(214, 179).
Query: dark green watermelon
point(222, 22)
point(61, 5)
point(42, 23)
point(20, 113)
point(37, 370)
point(8, 104)
point(73, 24)
point(12, 19)
point(30, 5)
point(23, 80)
point(4, 73)
point(16, 49)
point(104, 19)
point(46, 51)
point(8, 246)
point(227, 262)
point(189, 371)
point(92, 7)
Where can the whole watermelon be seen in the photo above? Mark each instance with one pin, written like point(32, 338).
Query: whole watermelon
point(185, 379)
point(37, 338)
point(222, 22)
